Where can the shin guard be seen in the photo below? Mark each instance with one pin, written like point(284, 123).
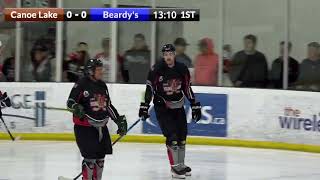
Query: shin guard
point(181, 152)
point(87, 169)
point(98, 169)
point(173, 153)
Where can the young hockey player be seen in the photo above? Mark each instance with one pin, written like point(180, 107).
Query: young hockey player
point(168, 84)
point(4, 101)
point(90, 103)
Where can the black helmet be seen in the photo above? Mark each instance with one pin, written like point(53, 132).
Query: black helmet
point(91, 66)
point(168, 48)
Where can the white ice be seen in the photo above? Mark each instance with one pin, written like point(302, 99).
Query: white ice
point(39, 160)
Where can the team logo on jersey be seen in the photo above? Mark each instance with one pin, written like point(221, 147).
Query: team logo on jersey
point(86, 94)
point(98, 102)
point(172, 86)
point(160, 78)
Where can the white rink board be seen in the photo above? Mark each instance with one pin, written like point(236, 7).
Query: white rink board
point(56, 96)
point(253, 114)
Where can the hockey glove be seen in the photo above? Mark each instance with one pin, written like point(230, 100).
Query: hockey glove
point(122, 125)
point(5, 100)
point(196, 111)
point(144, 111)
point(78, 110)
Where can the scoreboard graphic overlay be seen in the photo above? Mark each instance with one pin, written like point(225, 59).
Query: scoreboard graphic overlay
point(101, 14)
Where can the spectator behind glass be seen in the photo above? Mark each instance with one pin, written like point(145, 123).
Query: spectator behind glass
point(8, 67)
point(137, 61)
point(249, 67)
point(104, 56)
point(181, 57)
point(83, 47)
point(276, 73)
point(227, 57)
point(49, 42)
point(1, 48)
point(40, 68)
point(2, 76)
point(73, 66)
point(309, 78)
point(206, 64)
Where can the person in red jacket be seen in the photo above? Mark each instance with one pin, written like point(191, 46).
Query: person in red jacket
point(206, 64)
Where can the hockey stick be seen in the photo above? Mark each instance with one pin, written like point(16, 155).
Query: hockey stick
point(58, 109)
point(117, 140)
point(120, 137)
point(53, 108)
point(5, 125)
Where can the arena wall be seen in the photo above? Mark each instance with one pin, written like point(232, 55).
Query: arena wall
point(231, 116)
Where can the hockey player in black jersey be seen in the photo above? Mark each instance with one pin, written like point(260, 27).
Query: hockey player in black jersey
point(4, 101)
point(168, 84)
point(90, 103)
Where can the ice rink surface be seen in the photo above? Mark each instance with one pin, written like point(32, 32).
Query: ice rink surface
point(40, 160)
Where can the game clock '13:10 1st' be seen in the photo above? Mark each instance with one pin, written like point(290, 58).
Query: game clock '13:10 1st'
point(101, 14)
point(175, 14)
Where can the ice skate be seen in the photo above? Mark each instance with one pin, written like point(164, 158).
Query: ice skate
point(187, 170)
point(178, 172)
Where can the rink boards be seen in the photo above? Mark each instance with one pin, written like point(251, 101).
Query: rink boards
point(242, 117)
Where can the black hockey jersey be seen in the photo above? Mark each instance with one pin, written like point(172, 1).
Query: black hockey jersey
point(168, 86)
point(94, 97)
point(4, 101)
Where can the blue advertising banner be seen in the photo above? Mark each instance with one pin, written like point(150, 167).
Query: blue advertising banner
point(213, 122)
